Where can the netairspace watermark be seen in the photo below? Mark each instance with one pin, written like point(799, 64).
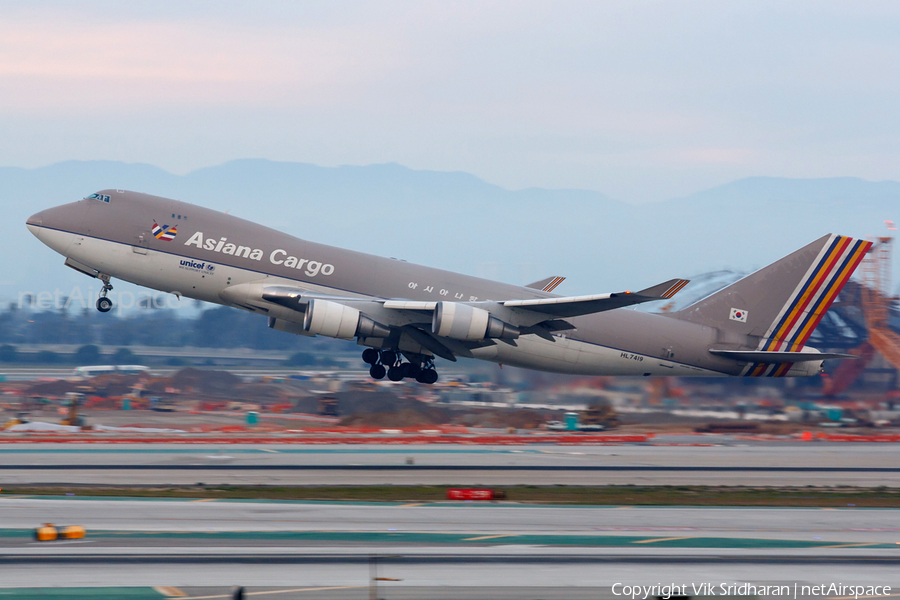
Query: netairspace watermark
point(797, 590)
point(78, 298)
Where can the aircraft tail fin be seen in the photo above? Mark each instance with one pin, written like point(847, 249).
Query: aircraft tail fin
point(782, 304)
point(546, 285)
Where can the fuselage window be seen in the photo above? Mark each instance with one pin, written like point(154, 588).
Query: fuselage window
point(100, 197)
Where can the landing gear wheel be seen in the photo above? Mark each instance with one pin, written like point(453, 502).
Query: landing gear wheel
point(388, 357)
point(395, 373)
point(377, 372)
point(410, 370)
point(104, 304)
point(427, 376)
point(370, 356)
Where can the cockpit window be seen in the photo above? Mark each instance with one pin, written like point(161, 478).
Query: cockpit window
point(100, 197)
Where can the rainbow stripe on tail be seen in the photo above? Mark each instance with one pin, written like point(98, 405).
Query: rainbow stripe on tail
point(810, 300)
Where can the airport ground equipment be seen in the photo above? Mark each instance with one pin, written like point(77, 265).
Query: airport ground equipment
point(49, 532)
point(74, 400)
point(19, 419)
point(328, 406)
point(599, 414)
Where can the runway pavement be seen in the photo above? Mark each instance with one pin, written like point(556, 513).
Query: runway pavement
point(441, 550)
point(387, 590)
point(773, 463)
point(848, 525)
point(541, 551)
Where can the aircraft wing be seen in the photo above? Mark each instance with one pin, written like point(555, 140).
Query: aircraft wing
point(573, 306)
point(503, 321)
point(566, 306)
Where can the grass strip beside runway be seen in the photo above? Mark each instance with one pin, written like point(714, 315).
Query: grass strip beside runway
point(613, 495)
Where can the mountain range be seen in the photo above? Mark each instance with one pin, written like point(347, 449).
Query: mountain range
point(459, 222)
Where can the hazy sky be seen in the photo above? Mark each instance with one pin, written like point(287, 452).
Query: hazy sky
point(640, 100)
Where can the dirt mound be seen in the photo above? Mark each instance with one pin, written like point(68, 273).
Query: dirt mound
point(205, 382)
point(52, 389)
point(199, 384)
point(385, 409)
point(112, 385)
point(520, 419)
point(403, 418)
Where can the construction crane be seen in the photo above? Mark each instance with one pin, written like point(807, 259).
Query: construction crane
point(876, 303)
point(877, 300)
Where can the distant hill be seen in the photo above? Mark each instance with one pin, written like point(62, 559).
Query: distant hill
point(457, 221)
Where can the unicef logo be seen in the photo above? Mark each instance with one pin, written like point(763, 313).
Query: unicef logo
point(210, 268)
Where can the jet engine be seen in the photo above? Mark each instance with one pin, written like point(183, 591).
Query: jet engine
point(469, 323)
point(288, 326)
point(807, 368)
point(498, 329)
point(333, 319)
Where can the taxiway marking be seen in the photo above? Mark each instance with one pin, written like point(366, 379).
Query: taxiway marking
point(311, 589)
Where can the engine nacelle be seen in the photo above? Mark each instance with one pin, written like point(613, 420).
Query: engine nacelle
point(333, 319)
point(808, 368)
point(288, 326)
point(469, 323)
point(460, 321)
point(502, 330)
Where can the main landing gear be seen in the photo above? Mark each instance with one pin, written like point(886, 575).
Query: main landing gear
point(388, 362)
point(104, 304)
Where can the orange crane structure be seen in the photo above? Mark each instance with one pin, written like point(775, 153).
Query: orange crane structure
point(876, 304)
point(877, 300)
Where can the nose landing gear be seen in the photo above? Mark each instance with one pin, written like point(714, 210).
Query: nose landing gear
point(388, 362)
point(104, 304)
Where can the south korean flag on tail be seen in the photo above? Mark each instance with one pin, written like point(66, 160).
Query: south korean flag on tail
point(738, 314)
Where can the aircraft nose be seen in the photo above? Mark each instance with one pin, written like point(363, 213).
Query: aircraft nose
point(35, 223)
point(36, 219)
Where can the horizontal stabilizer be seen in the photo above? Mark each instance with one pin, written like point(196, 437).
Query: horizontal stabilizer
point(767, 357)
point(573, 306)
point(546, 285)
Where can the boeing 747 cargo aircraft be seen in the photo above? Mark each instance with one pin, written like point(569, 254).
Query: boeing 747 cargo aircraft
point(406, 315)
